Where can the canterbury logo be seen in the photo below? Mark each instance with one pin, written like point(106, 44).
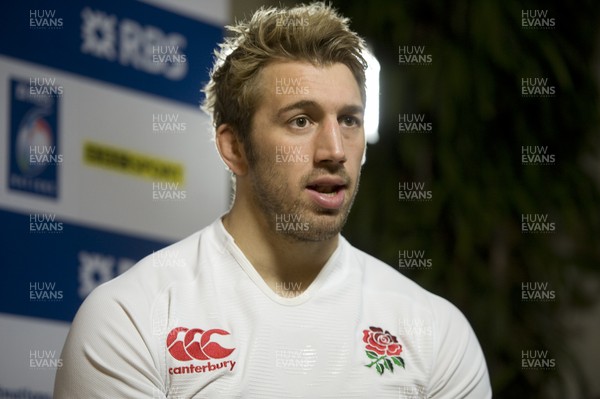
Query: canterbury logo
point(187, 344)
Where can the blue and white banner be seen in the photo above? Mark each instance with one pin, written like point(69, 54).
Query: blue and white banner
point(106, 158)
point(54, 264)
point(127, 43)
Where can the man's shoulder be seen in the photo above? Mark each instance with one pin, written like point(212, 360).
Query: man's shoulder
point(157, 271)
point(388, 283)
point(421, 314)
point(384, 278)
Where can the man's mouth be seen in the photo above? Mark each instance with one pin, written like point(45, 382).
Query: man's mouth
point(327, 192)
point(326, 189)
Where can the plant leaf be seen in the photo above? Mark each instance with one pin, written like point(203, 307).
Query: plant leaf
point(372, 355)
point(380, 368)
point(388, 364)
point(399, 361)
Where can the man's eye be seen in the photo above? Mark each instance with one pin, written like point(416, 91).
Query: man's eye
point(350, 121)
point(300, 122)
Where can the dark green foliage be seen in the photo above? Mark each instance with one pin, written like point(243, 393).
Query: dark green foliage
point(471, 230)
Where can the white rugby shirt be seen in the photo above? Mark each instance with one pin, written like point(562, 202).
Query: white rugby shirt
point(196, 320)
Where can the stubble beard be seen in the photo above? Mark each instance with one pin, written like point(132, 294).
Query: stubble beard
point(300, 221)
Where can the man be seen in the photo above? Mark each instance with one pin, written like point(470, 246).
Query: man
point(270, 301)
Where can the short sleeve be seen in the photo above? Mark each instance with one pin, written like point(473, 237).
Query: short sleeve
point(106, 355)
point(459, 369)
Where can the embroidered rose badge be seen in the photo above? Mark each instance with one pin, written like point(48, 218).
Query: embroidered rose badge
point(383, 349)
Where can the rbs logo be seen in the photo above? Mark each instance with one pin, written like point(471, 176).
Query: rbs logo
point(187, 344)
point(145, 48)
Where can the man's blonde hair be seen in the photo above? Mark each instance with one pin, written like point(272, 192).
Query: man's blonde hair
point(315, 33)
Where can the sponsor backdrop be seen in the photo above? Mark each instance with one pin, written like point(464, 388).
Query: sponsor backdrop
point(104, 158)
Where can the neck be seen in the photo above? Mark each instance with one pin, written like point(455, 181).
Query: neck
point(278, 259)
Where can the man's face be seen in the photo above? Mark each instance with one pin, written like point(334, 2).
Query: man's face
point(308, 140)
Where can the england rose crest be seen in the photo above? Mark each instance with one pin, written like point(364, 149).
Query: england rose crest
point(383, 349)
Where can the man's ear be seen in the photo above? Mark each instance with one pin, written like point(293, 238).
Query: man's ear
point(231, 149)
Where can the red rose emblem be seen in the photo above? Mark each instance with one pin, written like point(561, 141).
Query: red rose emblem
point(381, 342)
point(382, 349)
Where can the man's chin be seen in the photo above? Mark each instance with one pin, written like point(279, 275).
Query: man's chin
point(320, 227)
point(311, 237)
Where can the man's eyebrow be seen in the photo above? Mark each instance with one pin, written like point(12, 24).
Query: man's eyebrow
point(303, 104)
point(353, 109)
